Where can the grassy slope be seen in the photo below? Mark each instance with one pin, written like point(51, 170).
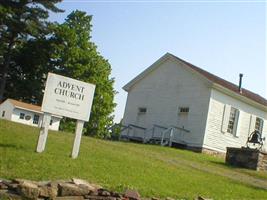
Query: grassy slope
point(152, 170)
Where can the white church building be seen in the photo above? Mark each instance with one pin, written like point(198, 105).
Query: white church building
point(25, 113)
point(175, 101)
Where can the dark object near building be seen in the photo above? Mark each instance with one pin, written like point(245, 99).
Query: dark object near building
point(247, 158)
point(255, 139)
point(251, 156)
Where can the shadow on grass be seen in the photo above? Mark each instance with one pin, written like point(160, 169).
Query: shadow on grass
point(12, 146)
point(226, 165)
point(223, 164)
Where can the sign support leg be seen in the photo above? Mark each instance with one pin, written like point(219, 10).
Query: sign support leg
point(43, 133)
point(77, 140)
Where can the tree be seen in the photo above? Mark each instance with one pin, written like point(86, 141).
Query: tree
point(19, 21)
point(76, 56)
point(28, 69)
point(68, 51)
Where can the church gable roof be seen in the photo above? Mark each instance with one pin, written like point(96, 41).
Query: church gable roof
point(209, 76)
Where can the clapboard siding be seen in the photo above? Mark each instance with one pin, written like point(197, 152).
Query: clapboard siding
point(168, 87)
point(214, 137)
point(7, 108)
point(171, 83)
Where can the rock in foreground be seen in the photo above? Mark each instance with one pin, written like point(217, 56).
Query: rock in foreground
point(75, 189)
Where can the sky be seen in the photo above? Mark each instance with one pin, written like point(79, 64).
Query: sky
point(223, 37)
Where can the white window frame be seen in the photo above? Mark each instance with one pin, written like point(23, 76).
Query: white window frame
point(3, 113)
point(259, 122)
point(233, 120)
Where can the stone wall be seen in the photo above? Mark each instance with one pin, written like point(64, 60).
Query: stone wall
point(246, 158)
point(75, 189)
point(262, 163)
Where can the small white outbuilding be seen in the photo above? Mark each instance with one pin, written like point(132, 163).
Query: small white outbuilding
point(25, 113)
point(195, 108)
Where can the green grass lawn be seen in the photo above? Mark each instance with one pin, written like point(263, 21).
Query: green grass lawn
point(152, 170)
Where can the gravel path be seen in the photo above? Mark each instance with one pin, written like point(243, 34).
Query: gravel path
point(216, 170)
point(231, 174)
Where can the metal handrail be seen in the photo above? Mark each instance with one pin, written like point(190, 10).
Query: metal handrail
point(171, 128)
point(182, 129)
point(135, 126)
point(163, 127)
point(156, 126)
point(132, 126)
point(124, 128)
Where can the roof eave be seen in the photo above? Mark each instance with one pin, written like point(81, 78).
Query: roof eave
point(152, 67)
point(201, 76)
point(28, 109)
point(238, 96)
point(156, 64)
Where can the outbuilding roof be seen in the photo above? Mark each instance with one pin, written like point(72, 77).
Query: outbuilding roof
point(27, 106)
point(209, 76)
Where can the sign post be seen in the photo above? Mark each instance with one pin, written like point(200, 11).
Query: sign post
point(43, 133)
point(77, 140)
point(69, 98)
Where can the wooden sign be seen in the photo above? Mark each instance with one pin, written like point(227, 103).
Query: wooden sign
point(69, 98)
